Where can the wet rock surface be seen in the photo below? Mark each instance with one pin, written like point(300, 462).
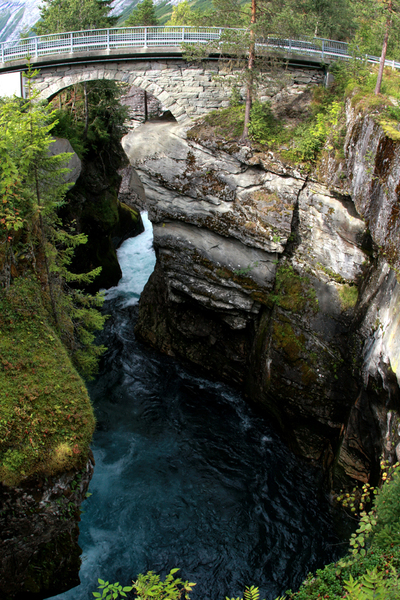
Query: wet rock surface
point(40, 555)
point(265, 277)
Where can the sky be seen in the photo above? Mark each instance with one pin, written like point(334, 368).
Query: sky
point(10, 83)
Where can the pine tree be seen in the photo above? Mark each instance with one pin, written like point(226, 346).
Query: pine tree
point(74, 15)
point(144, 15)
point(32, 240)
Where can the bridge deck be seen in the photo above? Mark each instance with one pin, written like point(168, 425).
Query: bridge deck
point(158, 42)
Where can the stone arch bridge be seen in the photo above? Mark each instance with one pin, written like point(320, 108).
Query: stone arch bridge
point(151, 58)
point(186, 90)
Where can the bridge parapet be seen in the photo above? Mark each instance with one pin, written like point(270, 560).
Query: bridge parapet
point(143, 38)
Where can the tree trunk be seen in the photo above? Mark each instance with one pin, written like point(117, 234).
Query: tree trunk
point(145, 106)
point(86, 110)
point(383, 55)
point(249, 79)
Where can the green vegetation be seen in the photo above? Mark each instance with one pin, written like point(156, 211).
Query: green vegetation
point(144, 14)
point(92, 118)
point(74, 15)
point(371, 568)
point(251, 593)
point(348, 295)
point(299, 144)
point(48, 324)
point(293, 292)
point(148, 587)
point(323, 130)
point(32, 238)
point(47, 421)
point(184, 14)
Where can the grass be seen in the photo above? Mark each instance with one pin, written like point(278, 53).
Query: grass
point(227, 122)
point(46, 421)
point(348, 295)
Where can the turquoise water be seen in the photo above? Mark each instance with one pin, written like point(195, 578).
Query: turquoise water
point(188, 475)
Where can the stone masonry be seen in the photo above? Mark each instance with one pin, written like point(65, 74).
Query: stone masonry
point(187, 90)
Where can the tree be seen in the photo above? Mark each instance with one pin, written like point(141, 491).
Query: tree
point(388, 23)
point(250, 67)
point(378, 30)
point(307, 18)
point(32, 240)
point(74, 15)
point(144, 14)
point(184, 14)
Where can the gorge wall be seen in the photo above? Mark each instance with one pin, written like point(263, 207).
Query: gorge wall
point(40, 509)
point(279, 281)
point(39, 525)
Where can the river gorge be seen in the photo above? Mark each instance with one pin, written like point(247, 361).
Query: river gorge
point(188, 475)
point(252, 363)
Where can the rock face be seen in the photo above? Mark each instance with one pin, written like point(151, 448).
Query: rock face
point(40, 556)
point(61, 145)
point(93, 206)
point(270, 279)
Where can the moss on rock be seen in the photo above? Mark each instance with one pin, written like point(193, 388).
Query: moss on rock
point(47, 420)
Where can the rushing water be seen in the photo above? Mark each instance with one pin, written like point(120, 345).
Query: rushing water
point(187, 475)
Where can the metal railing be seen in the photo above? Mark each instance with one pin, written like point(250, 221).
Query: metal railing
point(74, 42)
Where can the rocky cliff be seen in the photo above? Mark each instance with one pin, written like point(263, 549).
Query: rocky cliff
point(39, 532)
point(275, 281)
point(47, 420)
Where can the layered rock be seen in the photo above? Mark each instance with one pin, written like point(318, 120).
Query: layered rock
point(266, 278)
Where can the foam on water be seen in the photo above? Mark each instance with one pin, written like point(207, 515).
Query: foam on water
point(137, 259)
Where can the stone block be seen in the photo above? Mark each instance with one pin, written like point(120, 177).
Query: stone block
point(169, 101)
point(162, 66)
point(177, 110)
point(163, 96)
point(137, 81)
point(189, 96)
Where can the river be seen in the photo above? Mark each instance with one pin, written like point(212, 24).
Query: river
point(188, 475)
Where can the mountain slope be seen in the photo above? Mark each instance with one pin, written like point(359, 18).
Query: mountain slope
point(19, 16)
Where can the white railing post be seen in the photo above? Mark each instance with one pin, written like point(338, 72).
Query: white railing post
point(331, 48)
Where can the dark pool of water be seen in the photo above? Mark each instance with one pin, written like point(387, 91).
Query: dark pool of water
point(188, 475)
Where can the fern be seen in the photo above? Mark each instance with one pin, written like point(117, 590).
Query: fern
point(372, 586)
point(252, 593)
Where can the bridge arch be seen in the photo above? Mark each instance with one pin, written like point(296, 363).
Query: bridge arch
point(186, 91)
point(53, 87)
